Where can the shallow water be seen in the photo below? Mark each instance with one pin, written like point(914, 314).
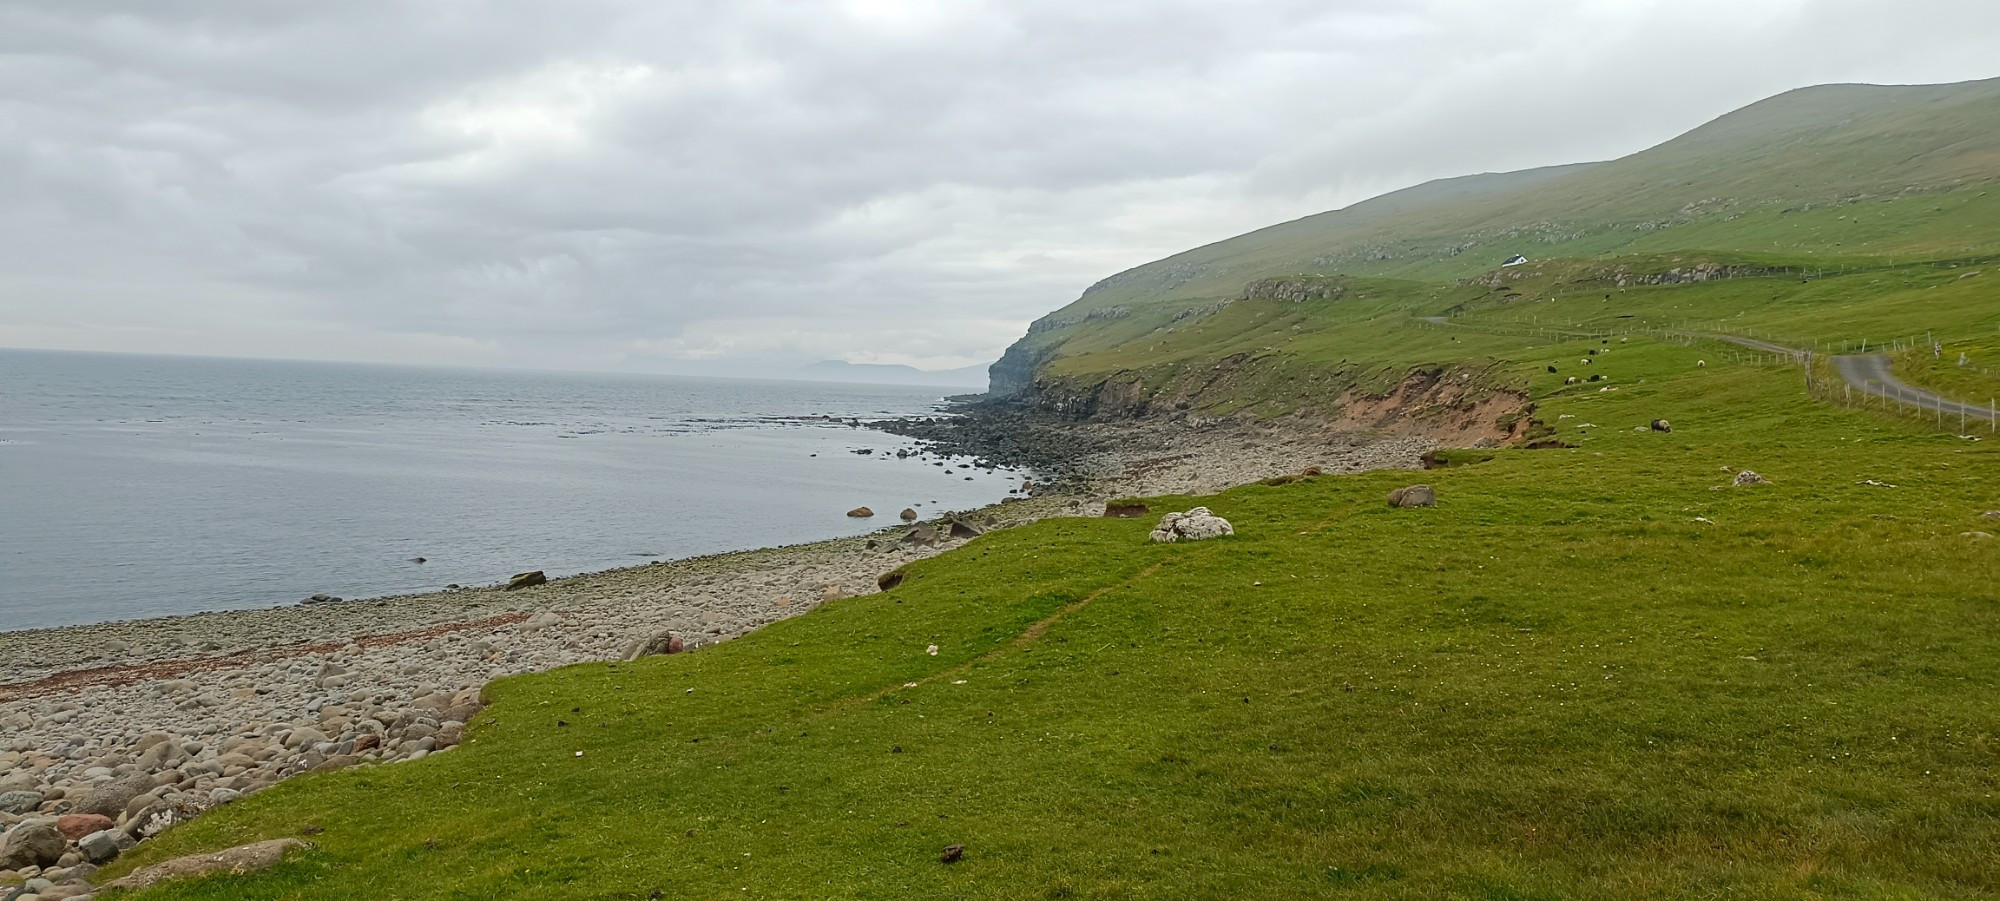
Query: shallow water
point(139, 486)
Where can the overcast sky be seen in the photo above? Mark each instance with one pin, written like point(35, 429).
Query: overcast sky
point(668, 185)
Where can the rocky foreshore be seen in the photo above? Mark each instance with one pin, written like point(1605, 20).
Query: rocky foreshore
point(111, 733)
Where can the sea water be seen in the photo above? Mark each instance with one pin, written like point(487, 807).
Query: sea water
point(142, 486)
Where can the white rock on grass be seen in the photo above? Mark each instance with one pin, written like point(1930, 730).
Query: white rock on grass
point(1197, 524)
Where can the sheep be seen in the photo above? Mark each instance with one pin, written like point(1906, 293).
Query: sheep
point(1552, 369)
point(1701, 364)
point(1570, 381)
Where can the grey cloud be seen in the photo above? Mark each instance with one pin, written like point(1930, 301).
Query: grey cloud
point(645, 184)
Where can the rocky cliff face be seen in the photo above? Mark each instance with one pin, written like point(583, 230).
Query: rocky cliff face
point(1456, 406)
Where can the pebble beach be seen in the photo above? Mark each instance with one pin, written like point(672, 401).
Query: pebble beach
point(111, 733)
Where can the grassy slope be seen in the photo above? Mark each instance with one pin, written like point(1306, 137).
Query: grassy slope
point(1557, 683)
point(1955, 305)
point(1836, 170)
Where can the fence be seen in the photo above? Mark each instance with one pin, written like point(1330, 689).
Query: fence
point(1822, 381)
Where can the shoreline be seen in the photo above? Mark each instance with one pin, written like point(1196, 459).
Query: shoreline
point(147, 722)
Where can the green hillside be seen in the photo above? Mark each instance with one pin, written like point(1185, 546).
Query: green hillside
point(1830, 173)
point(1597, 671)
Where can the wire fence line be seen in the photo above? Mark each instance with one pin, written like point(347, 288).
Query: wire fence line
point(1823, 381)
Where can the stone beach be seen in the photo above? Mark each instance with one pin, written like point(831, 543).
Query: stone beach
point(111, 733)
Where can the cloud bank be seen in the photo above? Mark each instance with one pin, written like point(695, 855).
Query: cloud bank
point(743, 186)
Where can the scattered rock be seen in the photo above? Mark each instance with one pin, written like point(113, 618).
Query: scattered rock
point(1126, 511)
point(1990, 514)
point(908, 515)
point(111, 798)
point(540, 620)
point(1661, 425)
point(1746, 477)
point(962, 529)
point(889, 579)
point(1413, 496)
point(336, 762)
point(952, 854)
point(18, 802)
point(526, 579)
point(100, 847)
point(861, 513)
point(923, 533)
point(238, 860)
point(1975, 534)
point(1197, 524)
point(663, 643)
point(32, 844)
point(74, 826)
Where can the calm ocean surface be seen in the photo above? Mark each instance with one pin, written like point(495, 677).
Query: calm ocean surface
point(139, 486)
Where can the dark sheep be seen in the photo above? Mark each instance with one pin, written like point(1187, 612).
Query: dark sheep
point(1552, 369)
point(1661, 425)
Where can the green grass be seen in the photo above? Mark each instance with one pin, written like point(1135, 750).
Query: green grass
point(1561, 682)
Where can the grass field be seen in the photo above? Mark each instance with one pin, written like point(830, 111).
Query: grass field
point(1588, 672)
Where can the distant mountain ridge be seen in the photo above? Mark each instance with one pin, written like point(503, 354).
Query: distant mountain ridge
point(1775, 178)
point(891, 374)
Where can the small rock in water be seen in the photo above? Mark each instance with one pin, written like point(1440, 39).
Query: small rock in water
point(908, 515)
point(861, 513)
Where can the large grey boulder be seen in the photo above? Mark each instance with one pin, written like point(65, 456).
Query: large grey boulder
point(101, 847)
point(1197, 524)
point(32, 844)
point(111, 798)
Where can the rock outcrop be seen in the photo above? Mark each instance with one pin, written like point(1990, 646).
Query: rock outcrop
point(1197, 524)
point(1413, 496)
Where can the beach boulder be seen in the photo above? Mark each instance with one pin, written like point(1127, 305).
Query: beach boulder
point(77, 825)
point(32, 844)
point(526, 579)
point(19, 802)
point(908, 515)
point(861, 513)
point(1197, 524)
point(111, 798)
